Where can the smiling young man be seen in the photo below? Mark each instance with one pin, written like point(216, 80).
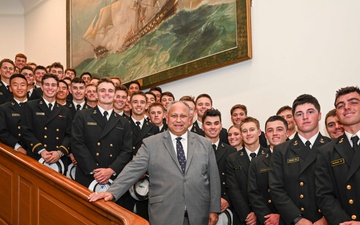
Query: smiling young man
point(333, 127)
point(121, 94)
point(157, 114)
point(237, 170)
point(101, 140)
point(286, 113)
point(337, 170)
point(258, 179)
point(7, 68)
point(11, 114)
point(292, 173)
point(211, 123)
point(47, 131)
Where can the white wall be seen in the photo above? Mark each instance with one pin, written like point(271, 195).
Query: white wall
point(11, 35)
point(299, 46)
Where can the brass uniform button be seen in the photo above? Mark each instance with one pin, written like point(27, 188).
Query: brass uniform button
point(269, 201)
point(97, 164)
point(45, 136)
point(111, 145)
point(302, 209)
point(97, 154)
point(301, 196)
point(223, 183)
point(348, 187)
point(57, 138)
point(19, 127)
point(45, 145)
point(353, 217)
point(57, 129)
point(351, 201)
point(268, 189)
point(45, 128)
point(319, 210)
point(223, 173)
point(98, 144)
point(110, 155)
point(57, 146)
point(19, 135)
point(133, 147)
point(301, 184)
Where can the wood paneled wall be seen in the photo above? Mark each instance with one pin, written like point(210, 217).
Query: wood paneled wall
point(31, 193)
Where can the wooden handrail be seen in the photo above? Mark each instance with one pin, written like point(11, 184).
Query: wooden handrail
point(32, 193)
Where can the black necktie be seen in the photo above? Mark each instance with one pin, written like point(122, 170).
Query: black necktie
point(180, 154)
point(78, 106)
point(308, 143)
point(138, 125)
point(50, 106)
point(105, 115)
point(252, 155)
point(214, 147)
point(355, 140)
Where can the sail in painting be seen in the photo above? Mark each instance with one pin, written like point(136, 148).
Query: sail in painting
point(121, 24)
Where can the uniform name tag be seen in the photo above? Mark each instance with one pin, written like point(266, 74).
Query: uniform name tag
point(293, 160)
point(264, 170)
point(238, 168)
point(40, 113)
point(91, 123)
point(15, 114)
point(337, 162)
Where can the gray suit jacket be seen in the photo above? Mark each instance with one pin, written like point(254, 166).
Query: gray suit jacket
point(170, 190)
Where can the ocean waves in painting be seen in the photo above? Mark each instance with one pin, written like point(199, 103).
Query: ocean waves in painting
point(186, 36)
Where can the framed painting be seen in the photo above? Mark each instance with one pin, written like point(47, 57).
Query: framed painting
point(156, 41)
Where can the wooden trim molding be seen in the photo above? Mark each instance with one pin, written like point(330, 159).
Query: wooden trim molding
point(31, 193)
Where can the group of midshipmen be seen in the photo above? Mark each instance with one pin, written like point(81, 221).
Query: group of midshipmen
point(288, 174)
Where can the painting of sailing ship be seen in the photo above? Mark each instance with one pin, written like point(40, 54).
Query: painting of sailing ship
point(156, 41)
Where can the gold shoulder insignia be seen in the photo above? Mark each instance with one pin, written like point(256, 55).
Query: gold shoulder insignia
point(41, 102)
point(94, 112)
point(71, 105)
point(322, 141)
point(262, 152)
point(296, 142)
point(115, 114)
point(241, 153)
point(341, 140)
point(12, 103)
point(267, 155)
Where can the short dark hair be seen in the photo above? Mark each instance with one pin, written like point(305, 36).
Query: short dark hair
point(64, 82)
point(188, 98)
point(78, 80)
point(346, 90)
point(238, 106)
point(72, 70)
point(21, 55)
point(156, 89)
point(277, 118)
point(121, 88)
point(150, 93)
point(86, 73)
point(57, 65)
point(204, 96)
point(138, 93)
point(167, 93)
point(26, 68)
point(8, 61)
point(331, 113)
point(134, 82)
point(211, 113)
point(48, 76)
point(39, 67)
point(303, 99)
point(248, 120)
point(17, 75)
point(104, 80)
point(282, 109)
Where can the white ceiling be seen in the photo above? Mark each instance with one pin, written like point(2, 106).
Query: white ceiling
point(11, 7)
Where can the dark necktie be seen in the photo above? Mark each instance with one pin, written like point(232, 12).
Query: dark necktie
point(138, 125)
point(50, 106)
point(355, 140)
point(308, 143)
point(214, 147)
point(7, 87)
point(252, 155)
point(180, 154)
point(105, 115)
point(78, 106)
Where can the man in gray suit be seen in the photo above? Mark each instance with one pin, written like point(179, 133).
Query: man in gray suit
point(184, 179)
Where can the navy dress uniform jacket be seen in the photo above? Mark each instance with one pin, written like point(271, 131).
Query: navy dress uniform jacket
point(97, 143)
point(338, 181)
point(148, 129)
point(258, 187)
point(45, 129)
point(236, 180)
point(292, 179)
point(5, 94)
point(11, 117)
